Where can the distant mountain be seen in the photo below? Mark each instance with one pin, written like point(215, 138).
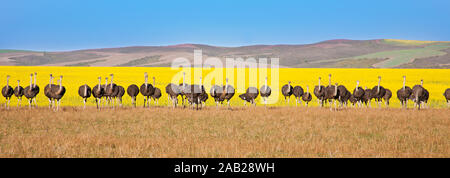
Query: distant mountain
point(340, 53)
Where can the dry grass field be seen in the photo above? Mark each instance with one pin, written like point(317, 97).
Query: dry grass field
point(220, 132)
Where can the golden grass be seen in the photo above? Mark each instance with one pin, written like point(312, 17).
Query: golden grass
point(211, 132)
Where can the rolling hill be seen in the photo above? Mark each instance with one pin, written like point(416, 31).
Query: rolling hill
point(341, 53)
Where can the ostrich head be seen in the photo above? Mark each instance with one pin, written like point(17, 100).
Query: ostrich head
point(50, 82)
point(421, 82)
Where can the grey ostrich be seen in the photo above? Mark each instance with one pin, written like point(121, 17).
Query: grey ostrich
point(57, 92)
point(250, 95)
point(85, 92)
point(265, 92)
point(332, 94)
point(147, 90)
point(297, 91)
point(98, 92)
point(120, 94)
point(404, 93)
point(112, 90)
point(203, 95)
point(173, 90)
point(343, 95)
point(32, 91)
point(378, 92)
point(287, 91)
point(193, 95)
point(418, 95)
point(319, 92)
point(228, 93)
point(215, 92)
point(133, 91)
point(105, 95)
point(7, 92)
point(358, 94)
point(18, 92)
point(48, 91)
point(367, 97)
point(157, 93)
point(447, 96)
point(387, 96)
point(307, 97)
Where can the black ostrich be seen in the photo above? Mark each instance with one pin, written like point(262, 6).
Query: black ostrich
point(112, 91)
point(319, 92)
point(418, 95)
point(32, 91)
point(287, 91)
point(18, 92)
point(228, 93)
point(173, 90)
point(7, 92)
point(147, 90)
point(183, 89)
point(307, 97)
point(353, 100)
point(404, 93)
point(98, 92)
point(378, 92)
point(250, 95)
point(215, 92)
point(358, 94)
point(47, 92)
point(265, 92)
point(157, 93)
point(193, 95)
point(332, 94)
point(35, 89)
point(447, 96)
point(133, 91)
point(120, 94)
point(85, 92)
point(57, 92)
point(297, 91)
point(367, 98)
point(105, 95)
point(387, 96)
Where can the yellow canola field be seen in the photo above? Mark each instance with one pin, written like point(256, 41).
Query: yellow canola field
point(435, 81)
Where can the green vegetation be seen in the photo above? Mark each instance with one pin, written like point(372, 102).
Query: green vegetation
point(86, 63)
point(398, 57)
point(141, 61)
point(13, 51)
point(51, 58)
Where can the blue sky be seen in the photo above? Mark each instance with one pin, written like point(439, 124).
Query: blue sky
point(56, 25)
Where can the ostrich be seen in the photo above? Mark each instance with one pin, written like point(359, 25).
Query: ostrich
point(18, 92)
point(133, 91)
point(7, 92)
point(265, 92)
point(85, 92)
point(203, 95)
point(358, 94)
point(319, 92)
point(215, 92)
point(307, 97)
point(297, 91)
point(418, 94)
point(105, 95)
point(331, 93)
point(287, 91)
point(173, 90)
point(387, 96)
point(404, 93)
point(353, 100)
point(426, 95)
point(343, 95)
point(378, 92)
point(367, 96)
point(157, 94)
point(228, 93)
point(250, 95)
point(57, 92)
point(447, 96)
point(98, 92)
point(193, 95)
point(112, 90)
point(120, 94)
point(48, 91)
point(35, 89)
point(147, 90)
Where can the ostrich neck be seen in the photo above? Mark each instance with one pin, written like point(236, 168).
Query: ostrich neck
point(85, 89)
point(335, 90)
point(154, 83)
point(35, 81)
point(289, 87)
point(99, 83)
point(51, 81)
point(18, 83)
point(319, 84)
point(7, 83)
point(111, 81)
point(60, 84)
point(357, 84)
point(378, 88)
point(404, 83)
